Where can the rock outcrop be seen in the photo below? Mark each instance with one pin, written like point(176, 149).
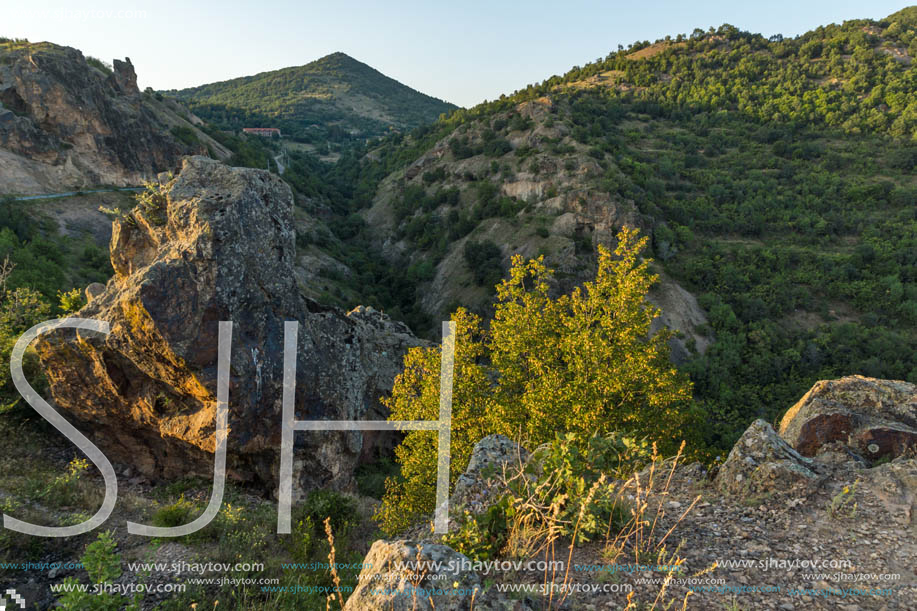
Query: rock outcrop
point(219, 247)
point(761, 461)
point(406, 576)
point(876, 419)
point(67, 124)
point(480, 485)
point(124, 76)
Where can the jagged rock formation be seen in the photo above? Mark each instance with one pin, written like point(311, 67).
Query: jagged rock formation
point(760, 461)
point(876, 419)
point(407, 575)
point(65, 124)
point(219, 246)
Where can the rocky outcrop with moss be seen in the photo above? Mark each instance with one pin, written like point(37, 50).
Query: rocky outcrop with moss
point(217, 244)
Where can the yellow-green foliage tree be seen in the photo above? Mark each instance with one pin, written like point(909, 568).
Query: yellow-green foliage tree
point(583, 362)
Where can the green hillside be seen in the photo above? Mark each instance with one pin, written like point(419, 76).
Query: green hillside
point(334, 98)
point(775, 176)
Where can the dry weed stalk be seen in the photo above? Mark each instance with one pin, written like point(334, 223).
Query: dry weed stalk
point(334, 573)
point(640, 532)
point(6, 269)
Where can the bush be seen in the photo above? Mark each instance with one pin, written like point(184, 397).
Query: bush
point(176, 514)
point(99, 64)
point(185, 135)
point(483, 259)
point(321, 504)
point(371, 477)
point(103, 565)
point(583, 363)
point(563, 490)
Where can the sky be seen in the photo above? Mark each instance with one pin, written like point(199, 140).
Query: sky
point(462, 52)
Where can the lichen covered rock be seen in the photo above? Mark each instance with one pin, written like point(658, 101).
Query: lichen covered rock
point(762, 462)
point(219, 246)
point(480, 485)
point(877, 419)
point(406, 575)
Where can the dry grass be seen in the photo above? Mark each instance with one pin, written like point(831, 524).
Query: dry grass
point(644, 538)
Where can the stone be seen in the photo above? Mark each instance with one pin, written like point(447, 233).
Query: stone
point(479, 486)
point(94, 290)
point(894, 484)
point(876, 419)
point(406, 575)
point(124, 75)
point(220, 248)
point(66, 125)
point(762, 462)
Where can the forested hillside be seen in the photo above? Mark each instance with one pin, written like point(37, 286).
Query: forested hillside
point(775, 176)
point(335, 98)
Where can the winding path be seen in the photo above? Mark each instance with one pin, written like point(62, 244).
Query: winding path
point(22, 198)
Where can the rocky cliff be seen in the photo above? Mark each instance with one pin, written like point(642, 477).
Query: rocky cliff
point(217, 244)
point(66, 123)
point(540, 194)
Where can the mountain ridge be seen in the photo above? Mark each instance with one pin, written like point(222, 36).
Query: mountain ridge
point(335, 96)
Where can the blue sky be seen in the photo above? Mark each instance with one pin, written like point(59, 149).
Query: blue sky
point(464, 52)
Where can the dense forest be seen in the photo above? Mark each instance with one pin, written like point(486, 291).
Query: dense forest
point(777, 175)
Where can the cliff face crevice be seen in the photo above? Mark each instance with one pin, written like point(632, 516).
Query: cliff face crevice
point(220, 248)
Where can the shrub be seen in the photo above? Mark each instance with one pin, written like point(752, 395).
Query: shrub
point(175, 514)
point(583, 363)
point(70, 301)
point(322, 504)
point(185, 135)
point(483, 259)
point(103, 565)
point(497, 147)
point(561, 491)
point(99, 64)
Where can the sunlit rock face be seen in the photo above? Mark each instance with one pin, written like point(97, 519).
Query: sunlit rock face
point(219, 246)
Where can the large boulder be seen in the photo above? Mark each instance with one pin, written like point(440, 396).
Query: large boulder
point(877, 419)
point(761, 462)
point(411, 576)
point(219, 247)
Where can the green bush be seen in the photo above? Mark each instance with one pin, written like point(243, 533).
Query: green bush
point(103, 566)
point(175, 514)
point(321, 504)
point(484, 261)
point(185, 135)
point(581, 363)
point(564, 490)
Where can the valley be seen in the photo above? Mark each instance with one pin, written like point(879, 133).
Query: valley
point(684, 283)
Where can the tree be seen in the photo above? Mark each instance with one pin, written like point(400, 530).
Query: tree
point(483, 259)
point(584, 362)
